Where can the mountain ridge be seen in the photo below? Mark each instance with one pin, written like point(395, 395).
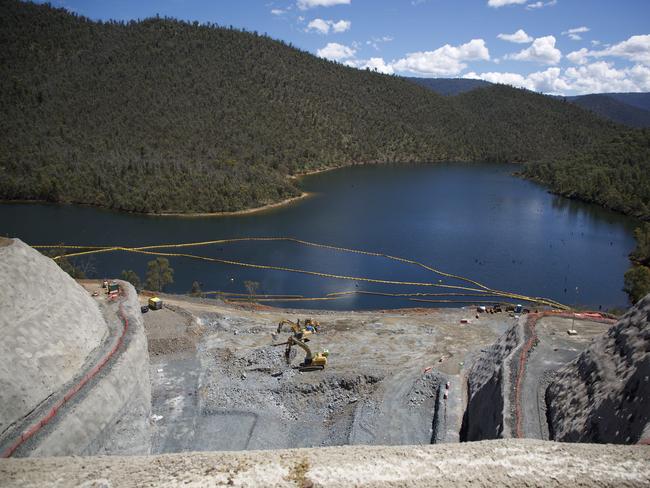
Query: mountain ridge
point(167, 116)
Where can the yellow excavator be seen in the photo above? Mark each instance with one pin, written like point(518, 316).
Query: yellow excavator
point(309, 326)
point(312, 362)
point(299, 337)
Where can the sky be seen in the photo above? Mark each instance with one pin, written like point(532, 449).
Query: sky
point(566, 47)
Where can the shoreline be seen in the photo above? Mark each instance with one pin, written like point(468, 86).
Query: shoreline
point(246, 211)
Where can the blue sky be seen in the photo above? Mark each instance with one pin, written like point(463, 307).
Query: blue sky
point(552, 46)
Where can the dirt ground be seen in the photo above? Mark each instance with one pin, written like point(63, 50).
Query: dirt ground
point(219, 383)
point(555, 348)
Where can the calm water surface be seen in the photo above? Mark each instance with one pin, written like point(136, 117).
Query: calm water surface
point(473, 220)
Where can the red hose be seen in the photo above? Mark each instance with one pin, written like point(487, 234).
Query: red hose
point(43, 421)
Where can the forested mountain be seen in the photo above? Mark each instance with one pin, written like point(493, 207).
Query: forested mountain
point(615, 173)
point(613, 108)
point(449, 86)
point(639, 100)
point(168, 116)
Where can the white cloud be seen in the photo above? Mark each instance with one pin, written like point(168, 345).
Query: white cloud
point(579, 57)
point(444, 61)
point(602, 77)
point(548, 81)
point(574, 33)
point(341, 26)
point(519, 37)
point(319, 25)
point(375, 41)
point(323, 26)
point(542, 50)
point(599, 77)
point(514, 79)
point(540, 4)
point(336, 52)
point(636, 48)
point(278, 11)
point(378, 64)
point(307, 4)
point(501, 3)
point(576, 30)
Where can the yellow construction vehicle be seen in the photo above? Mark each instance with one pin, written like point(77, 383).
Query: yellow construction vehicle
point(309, 326)
point(299, 337)
point(312, 362)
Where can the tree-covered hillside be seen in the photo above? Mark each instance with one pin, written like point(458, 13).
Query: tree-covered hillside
point(614, 174)
point(168, 116)
point(609, 107)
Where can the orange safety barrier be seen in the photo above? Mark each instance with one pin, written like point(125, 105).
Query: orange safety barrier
point(43, 421)
point(531, 322)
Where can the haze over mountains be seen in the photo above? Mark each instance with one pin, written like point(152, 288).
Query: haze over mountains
point(168, 116)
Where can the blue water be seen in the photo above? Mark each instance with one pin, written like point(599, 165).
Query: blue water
point(473, 220)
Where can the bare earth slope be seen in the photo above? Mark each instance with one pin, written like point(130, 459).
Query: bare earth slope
point(49, 326)
point(603, 395)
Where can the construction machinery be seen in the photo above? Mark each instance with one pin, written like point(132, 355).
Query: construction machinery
point(299, 337)
point(155, 303)
point(312, 362)
point(309, 326)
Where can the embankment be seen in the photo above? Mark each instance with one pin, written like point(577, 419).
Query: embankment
point(75, 369)
point(488, 389)
point(603, 395)
point(49, 327)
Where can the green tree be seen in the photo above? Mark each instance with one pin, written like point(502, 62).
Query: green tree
point(159, 274)
point(637, 282)
point(641, 253)
point(133, 278)
point(76, 272)
point(252, 287)
point(196, 289)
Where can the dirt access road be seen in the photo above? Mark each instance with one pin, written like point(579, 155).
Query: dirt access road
point(218, 383)
point(554, 348)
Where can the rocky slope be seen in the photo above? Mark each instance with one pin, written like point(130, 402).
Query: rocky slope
point(49, 327)
point(604, 394)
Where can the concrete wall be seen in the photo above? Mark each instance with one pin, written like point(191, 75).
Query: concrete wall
point(49, 327)
point(112, 417)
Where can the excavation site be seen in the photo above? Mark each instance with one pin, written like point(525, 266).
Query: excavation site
point(175, 374)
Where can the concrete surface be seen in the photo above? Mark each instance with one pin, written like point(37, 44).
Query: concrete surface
point(508, 463)
point(49, 325)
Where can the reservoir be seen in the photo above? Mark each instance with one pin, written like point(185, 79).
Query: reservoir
point(473, 220)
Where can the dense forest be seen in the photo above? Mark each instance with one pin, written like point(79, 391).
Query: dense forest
point(168, 116)
point(614, 173)
point(637, 278)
